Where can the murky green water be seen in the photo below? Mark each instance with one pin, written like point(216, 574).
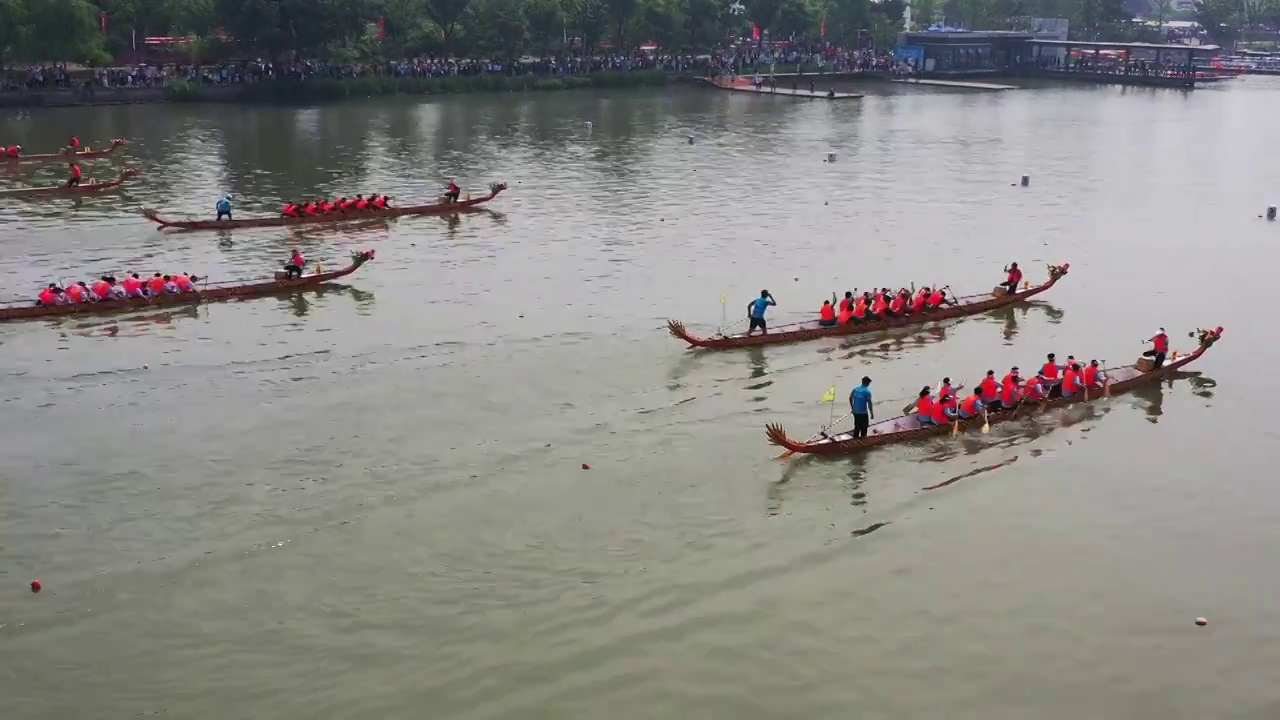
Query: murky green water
point(370, 502)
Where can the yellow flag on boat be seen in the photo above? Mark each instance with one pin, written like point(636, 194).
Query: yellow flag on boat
point(830, 396)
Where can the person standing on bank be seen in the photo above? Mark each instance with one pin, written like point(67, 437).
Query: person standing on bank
point(755, 312)
point(860, 404)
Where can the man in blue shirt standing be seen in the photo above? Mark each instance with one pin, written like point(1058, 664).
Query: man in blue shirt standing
point(860, 404)
point(755, 312)
point(223, 207)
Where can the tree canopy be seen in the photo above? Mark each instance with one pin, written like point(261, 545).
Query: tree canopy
point(93, 31)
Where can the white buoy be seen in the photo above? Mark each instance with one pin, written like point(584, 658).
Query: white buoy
point(1271, 212)
point(1026, 180)
point(1202, 622)
point(831, 156)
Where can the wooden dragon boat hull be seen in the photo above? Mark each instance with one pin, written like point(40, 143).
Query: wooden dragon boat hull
point(811, 330)
point(907, 428)
point(214, 291)
point(435, 208)
point(85, 154)
point(59, 190)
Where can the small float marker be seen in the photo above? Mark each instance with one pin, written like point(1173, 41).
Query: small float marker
point(35, 586)
point(586, 466)
point(1202, 622)
point(1026, 180)
point(831, 157)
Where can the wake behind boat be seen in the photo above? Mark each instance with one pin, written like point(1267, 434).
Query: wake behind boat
point(443, 206)
point(874, 321)
point(289, 279)
point(1102, 382)
point(78, 189)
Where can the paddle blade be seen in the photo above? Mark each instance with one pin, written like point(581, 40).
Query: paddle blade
point(986, 427)
point(955, 427)
point(784, 455)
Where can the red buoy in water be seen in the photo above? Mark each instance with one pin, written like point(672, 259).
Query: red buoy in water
point(35, 586)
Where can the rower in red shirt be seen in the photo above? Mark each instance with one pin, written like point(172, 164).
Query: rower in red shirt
point(289, 210)
point(362, 203)
point(75, 143)
point(132, 286)
point(1009, 390)
point(379, 202)
point(924, 407)
point(311, 208)
point(897, 306)
point(1050, 369)
point(101, 288)
point(989, 388)
point(155, 285)
point(936, 298)
point(13, 151)
point(74, 180)
point(453, 192)
point(917, 305)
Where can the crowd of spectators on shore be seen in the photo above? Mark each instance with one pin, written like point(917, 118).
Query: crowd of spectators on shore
point(815, 58)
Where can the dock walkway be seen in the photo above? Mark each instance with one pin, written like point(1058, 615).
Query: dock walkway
point(745, 86)
point(965, 84)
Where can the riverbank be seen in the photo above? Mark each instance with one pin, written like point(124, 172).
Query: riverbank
point(332, 90)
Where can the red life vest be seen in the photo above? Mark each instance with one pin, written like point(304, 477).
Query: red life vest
point(131, 285)
point(845, 316)
point(1009, 393)
point(289, 210)
point(362, 204)
point(935, 299)
point(156, 285)
point(827, 312)
point(1070, 381)
point(1050, 371)
point(311, 209)
point(1161, 342)
point(12, 151)
point(76, 293)
point(1015, 277)
point(969, 404)
point(46, 297)
point(1032, 390)
point(379, 203)
point(75, 141)
point(860, 308)
point(1090, 376)
point(940, 410)
point(945, 390)
point(101, 289)
point(75, 171)
point(877, 308)
point(924, 406)
point(184, 283)
point(990, 389)
point(897, 304)
point(918, 304)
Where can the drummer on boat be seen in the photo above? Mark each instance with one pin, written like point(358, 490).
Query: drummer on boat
point(453, 192)
point(1013, 276)
point(74, 144)
point(293, 268)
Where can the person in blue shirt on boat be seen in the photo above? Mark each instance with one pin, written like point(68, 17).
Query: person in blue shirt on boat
point(860, 405)
point(755, 312)
point(224, 207)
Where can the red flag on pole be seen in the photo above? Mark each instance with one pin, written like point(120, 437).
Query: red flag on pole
point(382, 28)
point(755, 31)
point(102, 20)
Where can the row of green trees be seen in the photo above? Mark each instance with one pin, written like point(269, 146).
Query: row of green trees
point(73, 30)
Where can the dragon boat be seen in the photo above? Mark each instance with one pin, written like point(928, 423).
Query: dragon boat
point(439, 207)
point(907, 428)
point(59, 190)
point(66, 156)
point(811, 330)
point(204, 293)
